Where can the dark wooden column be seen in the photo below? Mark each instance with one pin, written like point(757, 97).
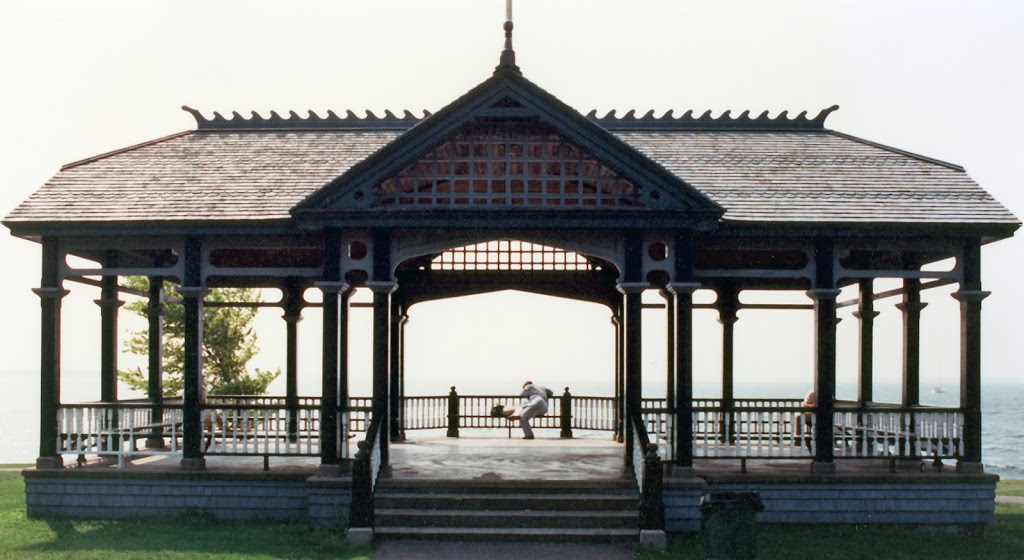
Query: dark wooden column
point(911, 307)
point(108, 304)
point(633, 288)
point(670, 347)
point(192, 294)
point(293, 303)
point(620, 393)
point(155, 363)
point(382, 287)
point(728, 304)
point(683, 289)
point(332, 432)
point(401, 373)
point(50, 292)
point(824, 294)
point(970, 297)
point(866, 314)
point(395, 391)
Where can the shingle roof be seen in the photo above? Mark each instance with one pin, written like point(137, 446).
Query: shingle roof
point(770, 176)
point(818, 176)
point(200, 176)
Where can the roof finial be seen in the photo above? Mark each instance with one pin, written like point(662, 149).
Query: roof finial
point(508, 56)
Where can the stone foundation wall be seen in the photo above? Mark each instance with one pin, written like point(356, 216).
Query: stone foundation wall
point(63, 494)
point(944, 505)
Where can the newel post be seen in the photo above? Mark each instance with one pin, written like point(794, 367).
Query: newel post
point(652, 509)
point(566, 416)
point(453, 413)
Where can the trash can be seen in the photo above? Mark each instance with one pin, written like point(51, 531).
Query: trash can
point(729, 525)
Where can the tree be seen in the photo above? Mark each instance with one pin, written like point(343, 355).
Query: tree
point(229, 342)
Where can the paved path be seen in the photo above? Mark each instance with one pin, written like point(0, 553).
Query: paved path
point(1010, 499)
point(439, 550)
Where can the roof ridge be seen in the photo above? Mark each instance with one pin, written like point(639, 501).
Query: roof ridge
point(888, 148)
point(257, 121)
point(118, 151)
point(724, 121)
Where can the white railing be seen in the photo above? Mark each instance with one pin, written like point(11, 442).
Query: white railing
point(261, 430)
point(106, 429)
point(891, 432)
point(782, 431)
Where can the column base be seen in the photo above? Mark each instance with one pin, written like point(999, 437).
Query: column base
point(823, 468)
point(359, 536)
point(653, 539)
point(677, 471)
point(193, 464)
point(964, 467)
point(329, 470)
point(156, 443)
point(907, 465)
point(55, 462)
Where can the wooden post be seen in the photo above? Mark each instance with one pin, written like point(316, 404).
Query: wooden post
point(361, 508)
point(292, 315)
point(332, 432)
point(681, 291)
point(652, 508)
point(824, 294)
point(50, 295)
point(108, 304)
point(911, 307)
point(728, 309)
point(395, 391)
point(633, 288)
point(192, 293)
point(155, 390)
point(970, 296)
point(382, 287)
point(866, 315)
point(619, 425)
point(453, 413)
point(566, 415)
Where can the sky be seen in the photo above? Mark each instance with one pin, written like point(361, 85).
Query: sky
point(939, 78)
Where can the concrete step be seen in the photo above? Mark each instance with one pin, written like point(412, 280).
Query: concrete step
point(510, 534)
point(438, 518)
point(507, 486)
point(500, 501)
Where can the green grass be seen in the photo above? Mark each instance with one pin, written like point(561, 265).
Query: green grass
point(1004, 540)
point(170, 539)
point(1010, 488)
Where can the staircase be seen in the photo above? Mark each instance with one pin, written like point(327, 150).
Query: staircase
point(551, 511)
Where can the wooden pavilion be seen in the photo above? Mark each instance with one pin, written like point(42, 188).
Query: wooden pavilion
point(509, 188)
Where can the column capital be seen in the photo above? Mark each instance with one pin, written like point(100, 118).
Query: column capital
point(108, 303)
point(726, 318)
point(911, 306)
point(970, 296)
point(616, 320)
point(382, 286)
point(819, 294)
point(50, 293)
point(631, 287)
point(290, 317)
point(681, 288)
point(193, 292)
point(331, 287)
point(866, 316)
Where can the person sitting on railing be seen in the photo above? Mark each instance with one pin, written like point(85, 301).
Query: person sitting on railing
point(804, 426)
point(534, 403)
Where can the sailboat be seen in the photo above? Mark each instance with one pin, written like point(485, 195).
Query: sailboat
point(938, 389)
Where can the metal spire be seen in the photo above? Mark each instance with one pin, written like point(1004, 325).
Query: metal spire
point(508, 56)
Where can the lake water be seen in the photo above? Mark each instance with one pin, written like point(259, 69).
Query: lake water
point(1002, 437)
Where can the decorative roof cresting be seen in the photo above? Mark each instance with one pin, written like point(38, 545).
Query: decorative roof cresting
point(350, 121)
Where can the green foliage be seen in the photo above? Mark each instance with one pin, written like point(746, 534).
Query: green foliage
point(1003, 540)
point(229, 342)
point(170, 538)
